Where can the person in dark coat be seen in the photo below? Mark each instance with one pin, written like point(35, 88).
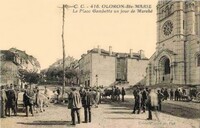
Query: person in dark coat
point(16, 88)
point(166, 94)
point(160, 99)
point(113, 93)
point(137, 105)
point(149, 105)
point(143, 101)
point(11, 102)
point(171, 94)
point(180, 94)
point(3, 102)
point(28, 100)
point(87, 104)
point(135, 96)
point(58, 92)
point(82, 93)
point(176, 95)
point(123, 94)
point(75, 105)
point(118, 92)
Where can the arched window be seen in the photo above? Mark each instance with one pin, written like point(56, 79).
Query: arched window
point(167, 66)
point(198, 60)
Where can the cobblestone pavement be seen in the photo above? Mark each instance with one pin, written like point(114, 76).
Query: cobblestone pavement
point(107, 115)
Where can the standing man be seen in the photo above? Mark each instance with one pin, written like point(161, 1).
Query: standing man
point(118, 92)
point(16, 88)
point(123, 94)
point(45, 90)
point(137, 105)
point(176, 95)
point(152, 102)
point(28, 100)
point(149, 106)
point(82, 93)
point(87, 104)
point(171, 94)
point(135, 97)
point(75, 105)
point(58, 92)
point(144, 98)
point(166, 94)
point(97, 96)
point(180, 94)
point(11, 103)
point(160, 99)
point(101, 93)
point(3, 102)
point(113, 94)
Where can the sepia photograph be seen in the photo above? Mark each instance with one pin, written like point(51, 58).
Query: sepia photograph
point(100, 64)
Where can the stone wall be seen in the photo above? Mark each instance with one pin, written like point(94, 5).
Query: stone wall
point(9, 72)
point(103, 70)
point(136, 70)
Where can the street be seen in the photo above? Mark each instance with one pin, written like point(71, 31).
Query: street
point(111, 115)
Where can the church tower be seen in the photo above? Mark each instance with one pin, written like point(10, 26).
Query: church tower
point(177, 55)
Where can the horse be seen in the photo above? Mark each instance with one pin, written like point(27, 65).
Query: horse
point(41, 101)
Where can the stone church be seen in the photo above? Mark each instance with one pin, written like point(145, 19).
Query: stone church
point(177, 56)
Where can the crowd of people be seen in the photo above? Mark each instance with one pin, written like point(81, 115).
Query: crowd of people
point(85, 97)
point(9, 98)
point(32, 99)
point(151, 99)
point(116, 93)
point(147, 99)
point(177, 94)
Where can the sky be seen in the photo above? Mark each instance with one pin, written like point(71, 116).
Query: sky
point(35, 27)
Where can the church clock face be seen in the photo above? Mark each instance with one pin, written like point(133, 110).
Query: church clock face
point(167, 28)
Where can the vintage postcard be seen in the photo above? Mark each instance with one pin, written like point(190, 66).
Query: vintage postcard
point(100, 63)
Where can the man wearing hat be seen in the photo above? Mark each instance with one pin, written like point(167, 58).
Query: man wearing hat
point(3, 102)
point(160, 99)
point(11, 103)
point(16, 88)
point(28, 99)
point(87, 104)
point(75, 105)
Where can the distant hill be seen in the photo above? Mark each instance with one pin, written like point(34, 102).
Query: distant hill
point(59, 63)
point(25, 61)
point(23, 55)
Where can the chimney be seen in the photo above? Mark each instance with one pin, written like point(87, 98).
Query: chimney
point(110, 50)
point(142, 56)
point(99, 50)
point(131, 53)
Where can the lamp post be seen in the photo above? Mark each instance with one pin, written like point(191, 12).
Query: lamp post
point(97, 80)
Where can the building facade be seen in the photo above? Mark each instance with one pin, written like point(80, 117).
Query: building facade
point(9, 68)
point(177, 56)
point(100, 67)
point(11, 61)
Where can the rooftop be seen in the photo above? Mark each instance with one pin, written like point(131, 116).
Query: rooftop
point(116, 54)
